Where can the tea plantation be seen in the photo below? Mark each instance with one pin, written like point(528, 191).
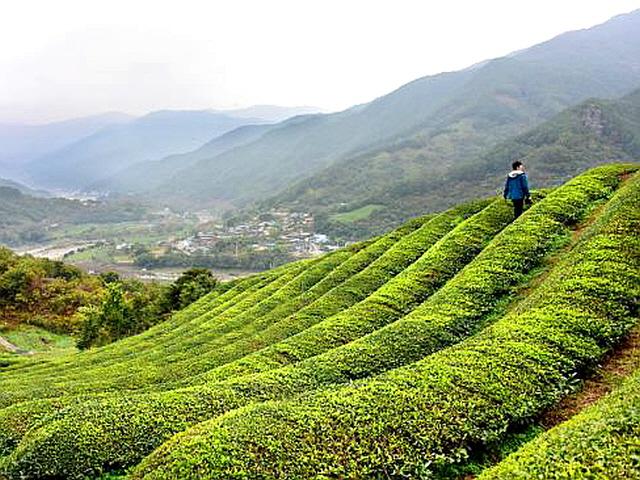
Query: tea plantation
point(405, 356)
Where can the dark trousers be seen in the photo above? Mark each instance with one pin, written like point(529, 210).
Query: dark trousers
point(518, 206)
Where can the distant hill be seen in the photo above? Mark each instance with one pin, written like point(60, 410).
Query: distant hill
point(27, 219)
point(594, 132)
point(20, 144)
point(4, 182)
point(424, 127)
point(145, 176)
point(116, 147)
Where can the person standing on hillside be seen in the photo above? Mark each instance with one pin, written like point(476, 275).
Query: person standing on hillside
point(516, 188)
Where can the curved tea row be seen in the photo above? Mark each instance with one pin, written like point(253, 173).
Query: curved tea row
point(422, 417)
point(121, 430)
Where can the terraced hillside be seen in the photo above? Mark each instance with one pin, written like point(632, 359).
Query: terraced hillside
point(400, 357)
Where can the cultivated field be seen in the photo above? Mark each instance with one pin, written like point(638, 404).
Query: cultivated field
point(406, 356)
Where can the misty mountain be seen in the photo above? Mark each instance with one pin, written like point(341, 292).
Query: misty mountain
point(117, 147)
point(422, 129)
point(145, 176)
point(20, 144)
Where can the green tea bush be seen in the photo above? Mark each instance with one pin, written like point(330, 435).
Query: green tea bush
point(481, 228)
point(107, 353)
point(161, 343)
point(40, 379)
point(600, 442)
point(165, 414)
point(412, 421)
point(141, 371)
point(117, 430)
point(418, 256)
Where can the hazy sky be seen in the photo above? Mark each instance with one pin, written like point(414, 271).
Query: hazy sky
point(65, 58)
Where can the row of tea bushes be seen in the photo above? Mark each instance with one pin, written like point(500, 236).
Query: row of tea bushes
point(214, 301)
point(467, 237)
point(359, 284)
point(155, 417)
point(52, 381)
point(393, 300)
point(416, 236)
point(417, 419)
point(600, 442)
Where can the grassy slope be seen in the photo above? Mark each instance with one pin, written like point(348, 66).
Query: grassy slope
point(38, 340)
point(357, 214)
point(228, 320)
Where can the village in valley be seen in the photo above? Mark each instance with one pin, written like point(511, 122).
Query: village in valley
point(290, 232)
point(167, 242)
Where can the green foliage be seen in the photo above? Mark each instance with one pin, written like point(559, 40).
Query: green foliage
point(189, 287)
point(426, 232)
point(112, 320)
point(43, 292)
point(163, 414)
point(109, 277)
point(292, 291)
point(600, 442)
point(432, 325)
point(34, 339)
point(130, 307)
point(61, 298)
point(418, 419)
point(218, 258)
point(25, 219)
point(354, 215)
point(254, 300)
point(383, 358)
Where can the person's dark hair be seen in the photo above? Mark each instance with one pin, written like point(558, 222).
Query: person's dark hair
point(516, 164)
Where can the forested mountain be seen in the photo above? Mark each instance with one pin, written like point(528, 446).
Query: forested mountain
point(5, 182)
point(426, 126)
point(594, 132)
point(114, 148)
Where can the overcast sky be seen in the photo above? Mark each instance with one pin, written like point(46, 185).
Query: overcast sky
point(65, 58)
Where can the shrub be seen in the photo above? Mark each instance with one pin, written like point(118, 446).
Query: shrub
point(182, 355)
point(600, 442)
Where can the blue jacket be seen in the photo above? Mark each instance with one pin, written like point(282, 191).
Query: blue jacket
point(517, 186)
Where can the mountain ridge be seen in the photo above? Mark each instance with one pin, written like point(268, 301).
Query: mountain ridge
point(113, 148)
point(452, 115)
point(22, 143)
